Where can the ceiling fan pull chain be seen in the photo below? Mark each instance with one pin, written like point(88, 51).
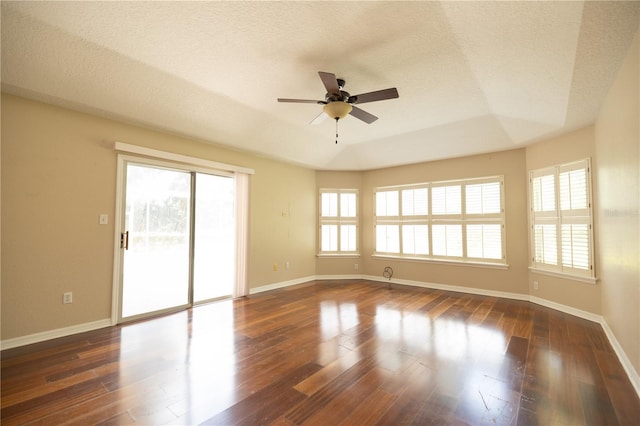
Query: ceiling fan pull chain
point(336, 130)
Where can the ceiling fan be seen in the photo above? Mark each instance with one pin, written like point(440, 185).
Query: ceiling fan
point(338, 103)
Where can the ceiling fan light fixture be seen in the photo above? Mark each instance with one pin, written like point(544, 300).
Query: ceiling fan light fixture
point(337, 109)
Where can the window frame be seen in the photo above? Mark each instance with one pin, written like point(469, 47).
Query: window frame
point(339, 221)
point(431, 221)
point(557, 218)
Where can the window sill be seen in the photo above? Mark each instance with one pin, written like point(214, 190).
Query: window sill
point(444, 261)
point(588, 280)
point(339, 255)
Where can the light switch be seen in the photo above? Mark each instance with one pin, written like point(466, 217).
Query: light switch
point(104, 219)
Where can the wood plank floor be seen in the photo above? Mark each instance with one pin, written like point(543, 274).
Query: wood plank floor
point(328, 353)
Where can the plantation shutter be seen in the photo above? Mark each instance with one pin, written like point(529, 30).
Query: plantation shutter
point(483, 208)
point(575, 217)
point(338, 221)
point(561, 215)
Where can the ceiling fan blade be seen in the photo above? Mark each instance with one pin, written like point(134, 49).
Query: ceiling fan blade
point(363, 115)
point(319, 119)
point(330, 82)
point(300, 101)
point(378, 95)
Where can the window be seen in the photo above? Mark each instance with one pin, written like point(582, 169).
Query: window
point(561, 219)
point(338, 221)
point(461, 220)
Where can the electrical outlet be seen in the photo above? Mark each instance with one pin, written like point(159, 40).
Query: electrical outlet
point(67, 297)
point(286, 265)
point(535, 285)
point(104, 219)
point(355, 266)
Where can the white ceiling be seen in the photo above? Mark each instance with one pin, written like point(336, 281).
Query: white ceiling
point(473, 77)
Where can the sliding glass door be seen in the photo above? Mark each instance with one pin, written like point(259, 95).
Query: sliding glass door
point(156, 257)
point(178, 241)
point(214, 237)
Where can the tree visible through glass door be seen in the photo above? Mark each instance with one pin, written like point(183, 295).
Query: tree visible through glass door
point(157, 218)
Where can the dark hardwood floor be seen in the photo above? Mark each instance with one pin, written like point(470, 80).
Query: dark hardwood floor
point(328, 353)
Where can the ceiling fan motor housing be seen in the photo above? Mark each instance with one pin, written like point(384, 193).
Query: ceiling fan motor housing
point(338, 97)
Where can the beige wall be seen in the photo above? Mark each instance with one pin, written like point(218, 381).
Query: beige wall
point(59, 174)
point(617, 144)
point(283, 218)
point(564, 149)
point(510, 164)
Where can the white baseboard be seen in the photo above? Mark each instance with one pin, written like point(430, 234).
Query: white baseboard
point(622, 356)
point(446, 287)
point(632, 373)
point(567, 309)
point(282, 284)
point(54, 334)
point(340, 277)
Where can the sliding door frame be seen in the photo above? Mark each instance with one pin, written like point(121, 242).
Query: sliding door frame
point(123, 160)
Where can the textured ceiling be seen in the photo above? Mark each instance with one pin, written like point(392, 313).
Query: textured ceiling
point(473, 77)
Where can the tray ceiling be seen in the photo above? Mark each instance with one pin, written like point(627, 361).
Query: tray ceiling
point(473, 77)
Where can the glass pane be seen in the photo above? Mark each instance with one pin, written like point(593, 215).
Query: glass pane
point(329, 204)
point(414, 202)
point(483, 198)
point(573, 190)
point(387, 203)
point(348, 205)
point(446, 200)
point(387, 239)
point(447, 240)
point(214, 250)
point(415, 239)
point(156, 265)
point(348, 238)
point(484, 241)
point(329, 238)
point(575, 246)
point(546, 244)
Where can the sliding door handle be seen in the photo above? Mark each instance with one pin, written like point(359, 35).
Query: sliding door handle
point(124, 240)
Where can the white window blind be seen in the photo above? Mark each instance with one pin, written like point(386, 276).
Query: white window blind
point(387, 239)
point(329, 203)
point(387, 203)
point(446, 200)
point(348, 204)
point(347, 238)
point(447, 240)
point(483, 198)
point(484, 241)
point(415, 202)
point(329, 237)
point(573, 190)
point(561, 216)
point(544, 193)
point(415, 239)
point(575, 246)
point(546, 244)
point(338, 221)
point(463, 220)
